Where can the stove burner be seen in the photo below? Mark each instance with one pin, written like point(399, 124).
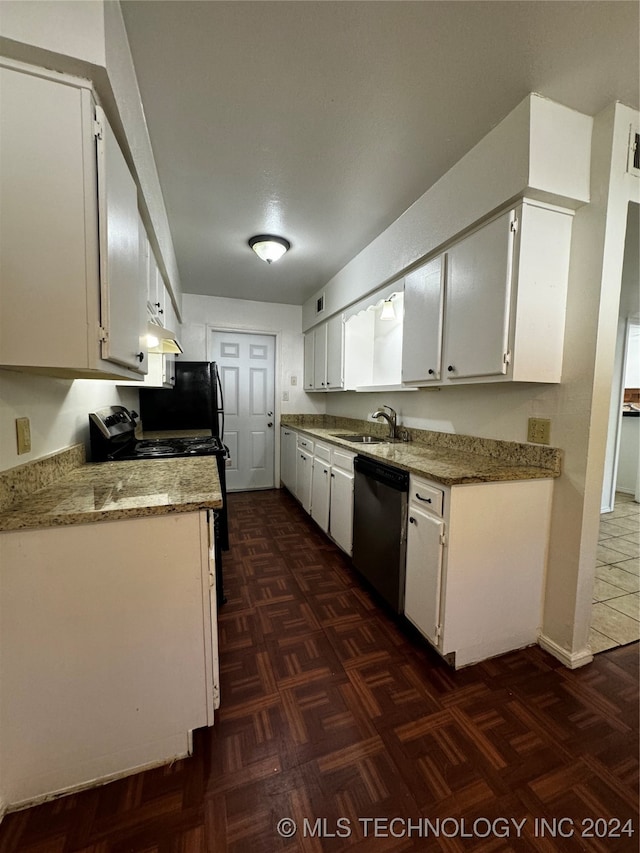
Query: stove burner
point(154, 450)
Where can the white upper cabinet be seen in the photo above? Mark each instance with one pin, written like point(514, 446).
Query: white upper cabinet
point(492, 308)
point(335, 353)
point(309, 347)
point(324, 356)
point(320, 358)
point(69, 243)
point(121, 286)
point(478, 295)
point(422, 333)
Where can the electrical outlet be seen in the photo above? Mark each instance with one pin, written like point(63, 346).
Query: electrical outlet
point(285, 396)
point(539, 430)
point(23, 433)
point(294, 380)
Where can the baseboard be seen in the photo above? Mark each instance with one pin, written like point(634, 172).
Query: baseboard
point(27, 803)
point(572, 660)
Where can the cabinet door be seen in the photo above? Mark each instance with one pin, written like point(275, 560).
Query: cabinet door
point(47, 211)
point(320, 358)
point(335, 352)
point(321, 493)
point(478, 296)
point(308, 361)
point(288, 459)
point(341, 510)
point(424, 572)
point(422, 329)
point(125, 331)
point(304, 463)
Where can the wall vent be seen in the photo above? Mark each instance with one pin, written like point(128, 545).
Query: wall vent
point(320, 304)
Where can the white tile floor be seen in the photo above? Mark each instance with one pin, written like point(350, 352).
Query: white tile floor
point(616, 592)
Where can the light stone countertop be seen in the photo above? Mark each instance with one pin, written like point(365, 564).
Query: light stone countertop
point(118, 490)
point(447, 465)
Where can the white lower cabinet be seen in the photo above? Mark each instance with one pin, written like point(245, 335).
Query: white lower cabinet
point(304, 473)
point(321, 493)
point(321, 485)
point(476, 557)
point(108, 649)
point(288, 451)
point(320, 476)
point(425, 542)
point(341, 514)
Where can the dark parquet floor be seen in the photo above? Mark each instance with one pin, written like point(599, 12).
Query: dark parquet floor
point(334, 710)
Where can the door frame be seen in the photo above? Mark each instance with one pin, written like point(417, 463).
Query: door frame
point(245, 330)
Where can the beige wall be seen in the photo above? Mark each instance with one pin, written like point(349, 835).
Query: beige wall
point(58, 410)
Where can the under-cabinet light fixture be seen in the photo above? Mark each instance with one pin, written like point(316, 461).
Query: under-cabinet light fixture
point(268, 247)
point(388, 311)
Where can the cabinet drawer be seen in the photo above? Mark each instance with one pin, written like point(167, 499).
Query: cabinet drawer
point(342, 459)
point(428, 497)
point(322, 452)
point(305, 443)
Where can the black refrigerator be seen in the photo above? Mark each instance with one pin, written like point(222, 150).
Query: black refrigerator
point(195, 402)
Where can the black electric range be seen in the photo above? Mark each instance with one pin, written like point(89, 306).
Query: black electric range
point(112, 438)
point(112, 435)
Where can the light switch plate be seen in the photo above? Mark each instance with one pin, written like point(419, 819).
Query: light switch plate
point(23, 434)
point(539, 430)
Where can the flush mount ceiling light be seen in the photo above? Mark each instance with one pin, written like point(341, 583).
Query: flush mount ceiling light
point(269, 248)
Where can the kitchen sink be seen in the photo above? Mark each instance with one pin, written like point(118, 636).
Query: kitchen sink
point(360, 439)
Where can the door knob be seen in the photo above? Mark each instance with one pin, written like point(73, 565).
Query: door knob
point(269, 414)
point(270, 424)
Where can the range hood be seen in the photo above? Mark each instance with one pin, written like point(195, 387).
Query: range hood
point(167, 341)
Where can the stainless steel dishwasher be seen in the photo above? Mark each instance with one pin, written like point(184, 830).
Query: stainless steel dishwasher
point(379, 527)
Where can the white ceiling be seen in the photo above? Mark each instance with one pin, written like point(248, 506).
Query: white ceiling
point(323, 121)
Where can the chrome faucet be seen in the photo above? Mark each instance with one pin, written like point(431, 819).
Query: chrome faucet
point(390, 418)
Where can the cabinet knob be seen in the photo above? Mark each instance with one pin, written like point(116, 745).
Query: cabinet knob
point(451, 368)
point(157, 304)
point(431, 371)
point(140, 357)
point(333, 475)
point(412, 520)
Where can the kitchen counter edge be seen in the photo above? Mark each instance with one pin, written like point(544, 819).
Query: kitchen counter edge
point(110, 491)
point(440, 464)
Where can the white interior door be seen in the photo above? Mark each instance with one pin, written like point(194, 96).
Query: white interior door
point(246, 363)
